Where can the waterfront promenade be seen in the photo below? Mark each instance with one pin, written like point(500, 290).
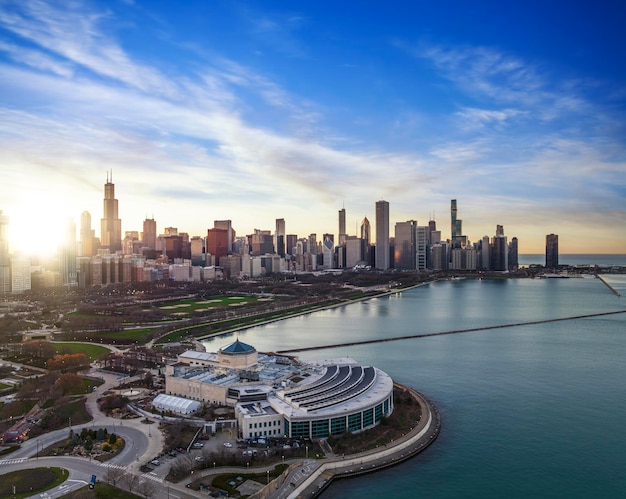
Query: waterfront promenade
point(310, 478)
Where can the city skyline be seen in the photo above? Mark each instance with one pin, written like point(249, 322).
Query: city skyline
point(255, 113)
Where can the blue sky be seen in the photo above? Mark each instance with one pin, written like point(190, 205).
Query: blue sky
point(253, 111)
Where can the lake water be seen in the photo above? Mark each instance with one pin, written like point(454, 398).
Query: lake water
point(603, 260)
point(529, 411)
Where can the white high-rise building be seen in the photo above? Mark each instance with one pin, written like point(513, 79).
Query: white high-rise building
point(422, 260)
point(20, 273)
point(329, 251)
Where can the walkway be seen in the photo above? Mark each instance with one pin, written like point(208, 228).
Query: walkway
point(311, 477)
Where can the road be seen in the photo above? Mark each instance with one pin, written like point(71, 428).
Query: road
point(143, 442)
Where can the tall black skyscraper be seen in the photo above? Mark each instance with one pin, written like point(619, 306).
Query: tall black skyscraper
point(456, 230)
point(552, 251)
point(382, 235)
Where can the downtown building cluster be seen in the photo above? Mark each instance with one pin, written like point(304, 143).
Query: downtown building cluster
point(149, 256)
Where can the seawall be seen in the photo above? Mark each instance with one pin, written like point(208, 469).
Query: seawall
point(412, 443)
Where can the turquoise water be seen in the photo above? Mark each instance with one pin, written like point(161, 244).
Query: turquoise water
point(530, 411)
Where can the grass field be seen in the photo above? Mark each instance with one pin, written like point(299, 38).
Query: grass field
point(3, 386)
point(94, 352)
point(31, 482)
point(101, 491)
point(189, 306)
point(129, 334)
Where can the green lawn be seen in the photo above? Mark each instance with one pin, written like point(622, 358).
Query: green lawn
point(94, 352)
point(3, 386)
point(102, 491)
point(188, 306)
point(31, 482)
point(129, 334)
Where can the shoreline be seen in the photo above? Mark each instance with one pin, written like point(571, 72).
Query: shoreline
point(314, 482)
point(199, 339)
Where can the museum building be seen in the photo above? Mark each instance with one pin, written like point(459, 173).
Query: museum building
point(275, 395)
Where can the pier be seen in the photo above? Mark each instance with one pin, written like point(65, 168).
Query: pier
point(456, 331)
point(613, 290)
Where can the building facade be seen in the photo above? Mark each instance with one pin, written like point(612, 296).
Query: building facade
point(110, 225)
point(552, 251)
point(382, 235)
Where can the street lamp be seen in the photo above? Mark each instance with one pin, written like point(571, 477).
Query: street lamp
point(306, 447)
point(268, 477)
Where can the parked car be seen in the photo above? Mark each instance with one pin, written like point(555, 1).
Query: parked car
point(155, 462)
point(228, 444)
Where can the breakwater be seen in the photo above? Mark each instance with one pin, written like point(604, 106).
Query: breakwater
point(613, 290)
point(456, 331)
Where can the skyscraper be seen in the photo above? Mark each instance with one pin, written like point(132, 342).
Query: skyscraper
point(342, 226)
point(453, 223)
point(366, 232)
point(217, 243)
point(513, 256)
point(291, 241)
point(279, 237)
point(552, 251)
point(499, 250)
point(382, 235)
point(68, 255)
point(405, 245)
point(422, 253)
point(88, 240)
point(110, 225)
point(329, 251)
point(149, 234)
point(457, 239)
point(313, 244)
point(5, 264)
point(20, 273)
point(197, 250)
point(228, 226)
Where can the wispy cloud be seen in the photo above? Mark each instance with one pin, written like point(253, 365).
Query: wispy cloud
point(71, 31)
point(276, 32)
point(225, 133)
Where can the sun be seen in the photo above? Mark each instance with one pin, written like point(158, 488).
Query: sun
point(36, 228)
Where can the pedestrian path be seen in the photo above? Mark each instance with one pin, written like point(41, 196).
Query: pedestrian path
point(13, 461)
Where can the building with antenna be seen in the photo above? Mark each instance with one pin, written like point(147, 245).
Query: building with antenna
point(110, 224)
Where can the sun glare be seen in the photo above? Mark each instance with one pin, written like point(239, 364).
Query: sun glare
point(37, 230)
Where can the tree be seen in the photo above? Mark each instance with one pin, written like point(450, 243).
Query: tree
point(70, 384)
point(113, 475)
point(131, 480)
point(146, 488)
